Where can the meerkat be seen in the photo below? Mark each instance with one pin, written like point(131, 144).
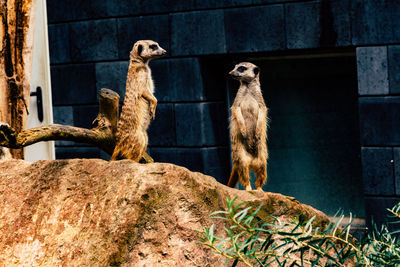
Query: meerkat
point(139, 105)
point(248, 128)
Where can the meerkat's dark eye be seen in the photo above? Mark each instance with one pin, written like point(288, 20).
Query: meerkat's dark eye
point(241, 69)
point(153, 47)
point(140, 49)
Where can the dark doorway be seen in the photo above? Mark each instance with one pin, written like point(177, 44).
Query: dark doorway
point(314, 135)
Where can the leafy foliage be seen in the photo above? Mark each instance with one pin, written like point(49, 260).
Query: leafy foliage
point(271, 241)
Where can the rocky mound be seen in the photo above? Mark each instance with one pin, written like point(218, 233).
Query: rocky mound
point(90, 212)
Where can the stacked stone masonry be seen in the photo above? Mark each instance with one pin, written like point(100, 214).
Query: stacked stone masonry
point(90, 43)
point(379, 114)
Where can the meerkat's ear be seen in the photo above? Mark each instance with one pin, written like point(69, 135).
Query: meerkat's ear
point(256, 70)
point(139, 49)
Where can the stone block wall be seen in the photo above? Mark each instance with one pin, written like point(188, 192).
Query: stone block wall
point(90, 43)
point(379, 115)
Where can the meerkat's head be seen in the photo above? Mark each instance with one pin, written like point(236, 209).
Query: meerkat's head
point(147, 50)
point(245, 71)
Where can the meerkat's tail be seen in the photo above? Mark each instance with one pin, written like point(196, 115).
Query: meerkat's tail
point(113, 157)
point(233, 179)
point(117, 155)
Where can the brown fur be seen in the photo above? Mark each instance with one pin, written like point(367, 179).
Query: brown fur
point(248, 128)
point(139, 104)
point(5, 153)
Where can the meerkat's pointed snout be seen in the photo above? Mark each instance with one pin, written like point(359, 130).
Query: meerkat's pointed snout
point(234, 75)
point(160, 52)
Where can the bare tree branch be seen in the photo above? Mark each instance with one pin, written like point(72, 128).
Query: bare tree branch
point(101, 135)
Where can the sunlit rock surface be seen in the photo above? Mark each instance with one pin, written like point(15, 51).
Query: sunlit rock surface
point(90, 212)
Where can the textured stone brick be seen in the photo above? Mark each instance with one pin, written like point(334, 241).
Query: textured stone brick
point(64, 10)
point(162, 129)
point(59, 43)
point(269, 1)
point(186, 80)
point(255, 29)
point(394, 69)
point(335, 23)
point(202, 124)
point(379, 121)
point(79, 116)
point(376, 209)
point(198, 33)
point(310, 25)
point(85, 115)
point(377, 169)
point(131, 30)
point(213, 73)
point(73, 84)
point(210, 161)
point(134, 7)
point(63, 115)
point(163, 154)
point(191, 158)
point(112, 75)
point(80, 152)
point(216, 163)
point(396, 161)
point(188, 119)
point(179, 5)
point(162, 76)
point(93, 40)
point(303, 25)
point(372, 69)
point(177, 80)
point(375, 22)
point(214, 124)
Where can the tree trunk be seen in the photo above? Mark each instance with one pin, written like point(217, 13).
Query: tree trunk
point(16, 33)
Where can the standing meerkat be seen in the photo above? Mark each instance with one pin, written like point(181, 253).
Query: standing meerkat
point(248, 128)
point(139, 105)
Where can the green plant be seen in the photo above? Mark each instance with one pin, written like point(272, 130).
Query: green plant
point(296, 242)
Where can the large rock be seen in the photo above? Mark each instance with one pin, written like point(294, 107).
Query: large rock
point(85, 212)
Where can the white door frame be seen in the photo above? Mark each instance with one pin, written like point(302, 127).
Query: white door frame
point(40, 78)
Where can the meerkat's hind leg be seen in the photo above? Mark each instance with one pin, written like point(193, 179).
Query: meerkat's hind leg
point(244, 177)
point(261, 174)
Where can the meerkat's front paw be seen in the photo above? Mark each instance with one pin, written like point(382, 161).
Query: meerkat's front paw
point(153, 111)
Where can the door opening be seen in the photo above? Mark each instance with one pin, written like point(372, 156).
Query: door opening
point(313, 139)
